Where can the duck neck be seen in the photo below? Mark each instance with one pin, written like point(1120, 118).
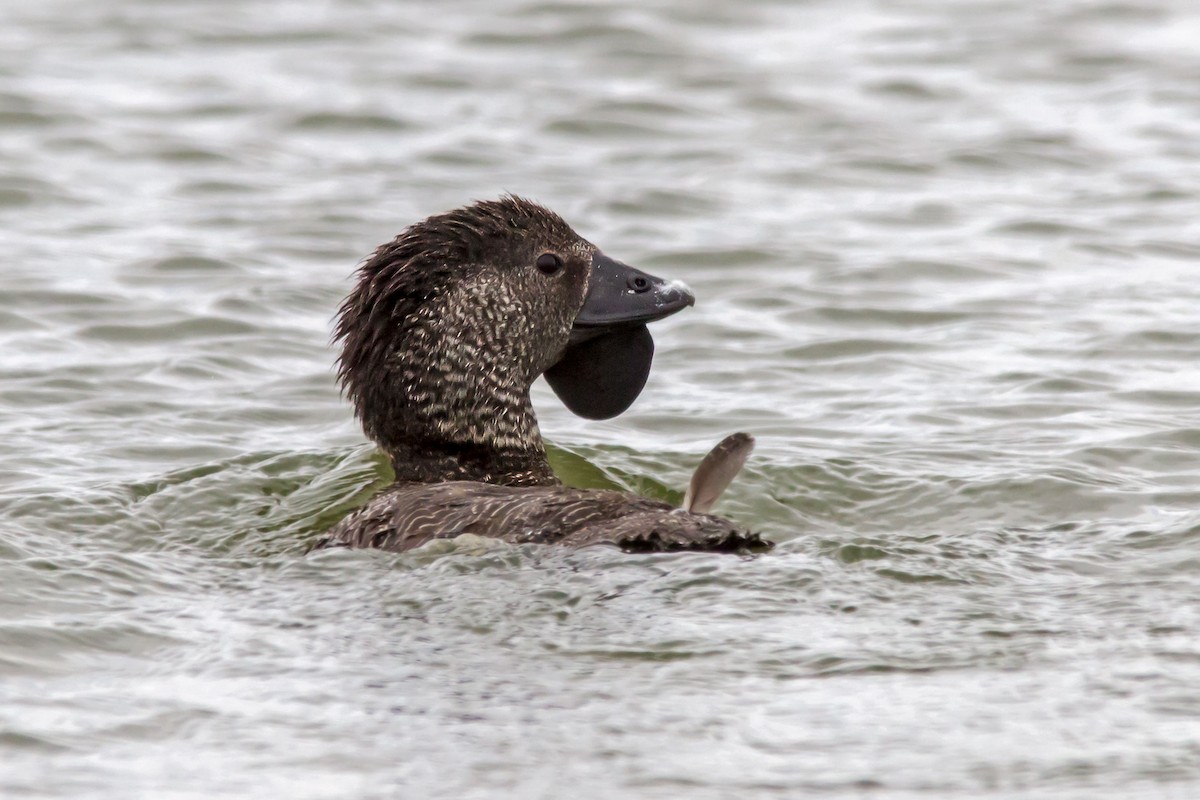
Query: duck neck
point(458, 421)
point(442, 386)
point(449, 461)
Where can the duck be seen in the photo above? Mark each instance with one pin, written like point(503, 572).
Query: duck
point(442, 336)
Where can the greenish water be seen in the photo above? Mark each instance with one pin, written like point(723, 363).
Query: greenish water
point(947, 258)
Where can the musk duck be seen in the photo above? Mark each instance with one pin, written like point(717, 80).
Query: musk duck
point(445, 331)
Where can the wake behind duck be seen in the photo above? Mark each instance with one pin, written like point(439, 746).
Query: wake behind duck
point(445, 331)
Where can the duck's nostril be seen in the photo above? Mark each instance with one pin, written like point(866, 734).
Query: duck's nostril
point(639, 284)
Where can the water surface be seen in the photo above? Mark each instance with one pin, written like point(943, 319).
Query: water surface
point(948, 265)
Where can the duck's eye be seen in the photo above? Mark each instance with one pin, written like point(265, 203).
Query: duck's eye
point(549, 263)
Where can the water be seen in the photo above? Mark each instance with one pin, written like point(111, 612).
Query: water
point(948, 268)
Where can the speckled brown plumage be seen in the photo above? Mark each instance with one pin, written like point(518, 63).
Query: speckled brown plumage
point(446, 329)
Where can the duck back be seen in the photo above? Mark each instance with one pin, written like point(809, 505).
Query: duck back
point(406, 516)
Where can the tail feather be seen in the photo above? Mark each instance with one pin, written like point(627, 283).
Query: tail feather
point(716, 472)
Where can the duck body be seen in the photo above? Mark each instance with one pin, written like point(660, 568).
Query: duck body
point(444, 333)
point(405, 516)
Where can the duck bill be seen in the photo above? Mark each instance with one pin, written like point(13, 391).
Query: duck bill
point(620, 296)
point(607, 359)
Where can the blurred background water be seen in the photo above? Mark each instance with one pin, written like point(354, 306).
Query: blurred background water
point(948, 265)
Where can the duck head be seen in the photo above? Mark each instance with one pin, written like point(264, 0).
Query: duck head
point(451, 322)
